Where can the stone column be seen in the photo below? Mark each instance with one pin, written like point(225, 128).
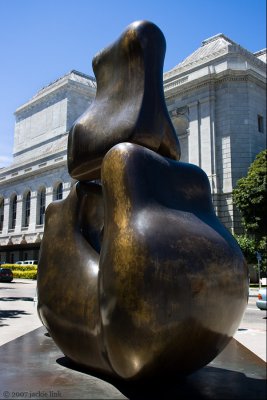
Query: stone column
point(214, 183)
point(6, 216)
point(19, 214)
point(48, 196)
point(33, 212)
point(194, 153)
point(205, 134)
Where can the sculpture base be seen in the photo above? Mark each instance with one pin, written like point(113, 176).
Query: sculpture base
point(32, 367)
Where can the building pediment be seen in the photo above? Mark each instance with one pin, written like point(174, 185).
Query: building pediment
point(212, 49)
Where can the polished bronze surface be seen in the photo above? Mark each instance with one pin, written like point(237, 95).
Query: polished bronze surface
point(129, 104)
point(137, 276)
point(173, 282)
point(68, 274)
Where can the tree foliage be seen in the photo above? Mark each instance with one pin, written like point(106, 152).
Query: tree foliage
point(250, 197)
point(250, 247)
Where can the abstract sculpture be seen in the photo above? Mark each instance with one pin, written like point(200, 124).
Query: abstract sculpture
point(137, 276)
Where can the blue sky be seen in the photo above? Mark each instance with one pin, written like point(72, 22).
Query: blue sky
point(41, 40)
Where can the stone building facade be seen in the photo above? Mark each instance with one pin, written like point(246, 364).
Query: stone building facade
point(216, 99)
point(38, 174)
point(219, 91)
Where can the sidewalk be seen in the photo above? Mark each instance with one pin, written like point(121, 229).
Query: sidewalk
point(24, 319)
point(18, 314)
point(253, 339)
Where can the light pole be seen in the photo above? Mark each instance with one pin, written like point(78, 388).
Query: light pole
point(258, 255)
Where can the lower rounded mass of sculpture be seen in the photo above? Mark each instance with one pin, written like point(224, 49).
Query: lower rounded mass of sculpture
point(137, 277)
point(166, 286)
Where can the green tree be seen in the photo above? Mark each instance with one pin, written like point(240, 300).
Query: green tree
point(250, 246)
point(249, 196)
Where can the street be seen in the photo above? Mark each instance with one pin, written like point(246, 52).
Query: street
point(18, 315)
point(254, 318)
point(252, 329)
point(18, 288)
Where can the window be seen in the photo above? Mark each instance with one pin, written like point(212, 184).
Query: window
point(27, 209)
point(1, 214)
point(260, 124)
point(13, 210)
point(41, 206)
point(59, 192)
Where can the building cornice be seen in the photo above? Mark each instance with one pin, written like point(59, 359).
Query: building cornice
point(182, 85)
point(17, 173)
point(176, 71)
point(85, 84)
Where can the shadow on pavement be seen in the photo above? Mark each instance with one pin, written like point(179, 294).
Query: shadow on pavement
point(207, 383)
point(16, 298)
point(5, 314)
point(17, 283)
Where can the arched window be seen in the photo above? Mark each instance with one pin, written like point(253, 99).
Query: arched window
point(13, 212)
point(41, 206)
point(1, 214)
point(27, 209)
point(59, 192)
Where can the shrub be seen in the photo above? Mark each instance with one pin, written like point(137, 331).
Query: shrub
point(17, 267)
point(22, 271)
point(25, 274)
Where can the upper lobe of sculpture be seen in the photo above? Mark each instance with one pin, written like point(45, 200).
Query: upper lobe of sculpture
point(129, 104)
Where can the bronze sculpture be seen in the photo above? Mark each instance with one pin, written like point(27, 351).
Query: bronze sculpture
point(130, 267)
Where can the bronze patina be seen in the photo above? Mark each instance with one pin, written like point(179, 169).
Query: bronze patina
point(137, 277)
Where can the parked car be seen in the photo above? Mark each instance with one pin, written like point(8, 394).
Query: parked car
point(6, 275)
point(261, 302)
point(30, 262)
point(27, 262)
